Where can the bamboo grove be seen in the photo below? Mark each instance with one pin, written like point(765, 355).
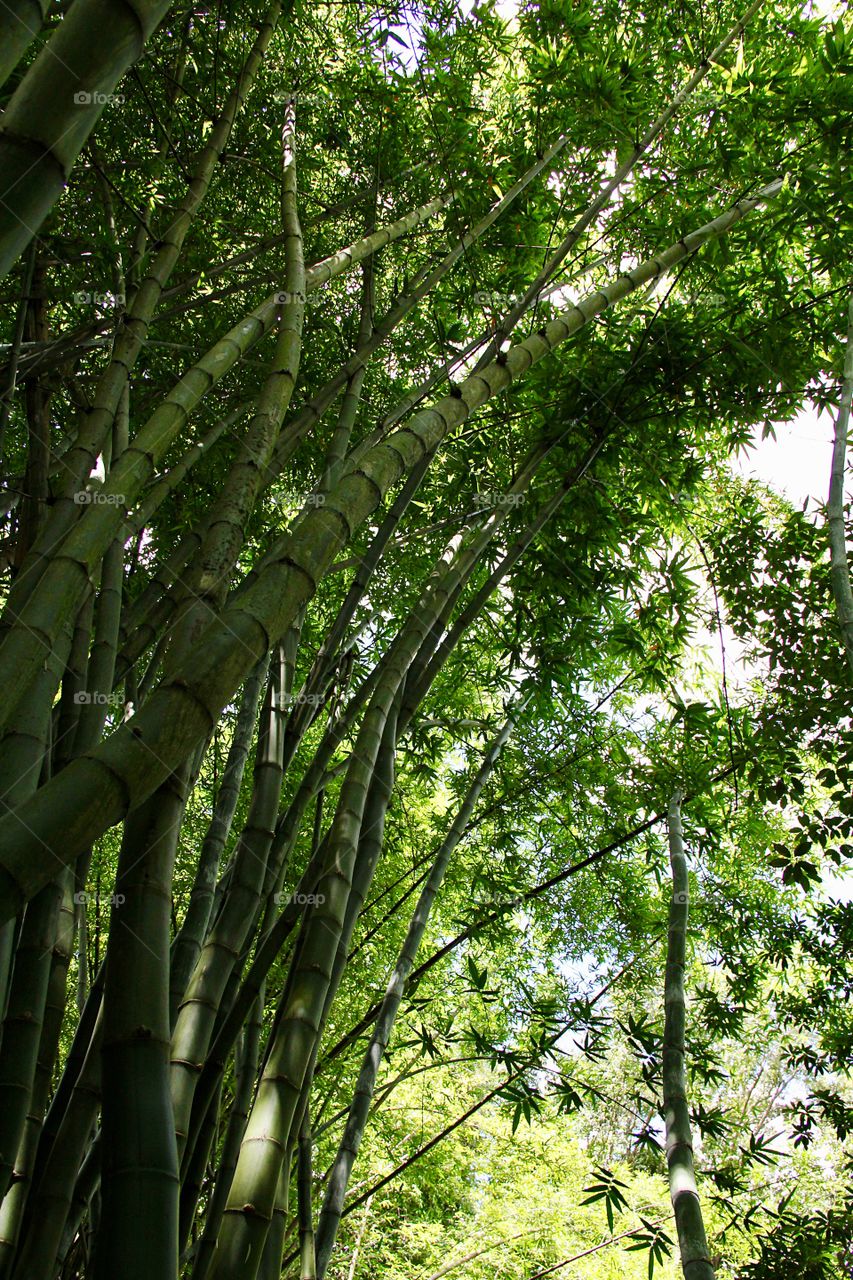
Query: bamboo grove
point(371, 377)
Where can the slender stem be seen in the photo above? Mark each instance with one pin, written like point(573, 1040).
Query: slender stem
point(695, 1258)
point(839, 572)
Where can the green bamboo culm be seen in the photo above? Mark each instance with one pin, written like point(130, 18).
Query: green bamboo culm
point(692, 1243)
point(57, 105)
point(839, 570)
point(20, 23)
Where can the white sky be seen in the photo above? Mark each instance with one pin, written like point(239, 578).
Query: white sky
point(797, 462)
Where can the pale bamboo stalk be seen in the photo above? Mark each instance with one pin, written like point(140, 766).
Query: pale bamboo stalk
point(101, 666)
point(319, 963)
point(368, 852)
point(207, 582)
point(52, 1195)
point(246, 1069)
point(206, 589)
point(270, 1263)
point(26, 757)
point(421, 287)
point(75, 1061)
point(693, 1246)
point(143, 232)
point(177, 473)
point(142, 307)
point(339, 443)
point(839, 568)
point(192, 1179)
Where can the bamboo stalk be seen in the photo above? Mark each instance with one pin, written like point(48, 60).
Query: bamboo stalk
point(304, 1176)
point(695, 1258)
point(839, 571)
point(14, 1204)
point(57, 105)
point(138, 1236)
point(38, 1255)
point(20, 23)
point(247, 1066)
